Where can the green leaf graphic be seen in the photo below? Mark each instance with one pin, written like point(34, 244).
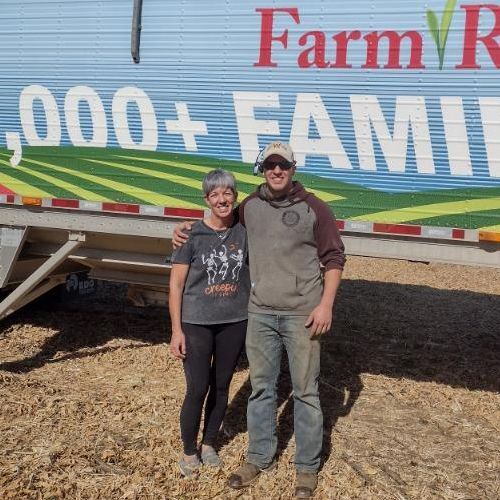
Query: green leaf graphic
point(432, 21)
point(440, 35)
point(446, 21)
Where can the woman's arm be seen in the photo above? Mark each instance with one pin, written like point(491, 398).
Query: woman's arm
point(178, 275)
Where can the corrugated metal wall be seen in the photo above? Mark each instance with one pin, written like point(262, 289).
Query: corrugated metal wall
point(200, 89)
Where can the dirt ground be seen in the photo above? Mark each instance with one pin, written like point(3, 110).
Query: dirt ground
point(410, 390)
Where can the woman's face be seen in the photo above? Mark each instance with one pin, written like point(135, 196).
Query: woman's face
point(221, 201)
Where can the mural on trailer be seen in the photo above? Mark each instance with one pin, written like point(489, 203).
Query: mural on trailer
point(392, 108)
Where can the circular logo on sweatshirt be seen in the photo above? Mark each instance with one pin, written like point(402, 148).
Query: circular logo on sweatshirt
point(290, 218)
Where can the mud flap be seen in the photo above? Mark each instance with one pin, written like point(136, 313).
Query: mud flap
point(11, 242)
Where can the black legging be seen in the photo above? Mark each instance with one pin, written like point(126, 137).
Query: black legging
point(212, 352)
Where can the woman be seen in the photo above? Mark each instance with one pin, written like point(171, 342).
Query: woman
point(209, 289)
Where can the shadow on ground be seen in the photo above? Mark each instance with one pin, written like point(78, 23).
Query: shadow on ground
point(400, 331)
point(85, 325)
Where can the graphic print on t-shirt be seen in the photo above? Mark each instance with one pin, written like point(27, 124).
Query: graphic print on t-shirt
point(239, 263)
point(222, 255)
point(211, 266)
point(221, 280)
point(218, 281)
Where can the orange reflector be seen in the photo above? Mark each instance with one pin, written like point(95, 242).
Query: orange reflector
point(489, 236)
point(31, 201)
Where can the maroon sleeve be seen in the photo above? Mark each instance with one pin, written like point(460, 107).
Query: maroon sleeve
point(330, 247)
point(241, 213)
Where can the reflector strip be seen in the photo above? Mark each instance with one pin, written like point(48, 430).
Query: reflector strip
point(352, 226)
point(184, 212)
point(121, 207)
point(151, 210)
point(397, 229)
point(28, 200)
point(489, 236)
point(358, 226)
point(62, 203)
point(95, 206)
point(437, 232)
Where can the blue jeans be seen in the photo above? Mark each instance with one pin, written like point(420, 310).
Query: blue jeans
point(266, 335)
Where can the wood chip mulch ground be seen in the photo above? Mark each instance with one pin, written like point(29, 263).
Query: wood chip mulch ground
point(89, 396)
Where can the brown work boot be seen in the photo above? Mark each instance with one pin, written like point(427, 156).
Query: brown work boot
point(245, 474)
point(305, 484)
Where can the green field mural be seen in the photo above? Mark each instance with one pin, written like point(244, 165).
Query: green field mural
point(174, 180)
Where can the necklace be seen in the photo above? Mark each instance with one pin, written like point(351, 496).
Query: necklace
point(221, 234)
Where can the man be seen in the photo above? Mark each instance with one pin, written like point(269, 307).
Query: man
point(296, 260)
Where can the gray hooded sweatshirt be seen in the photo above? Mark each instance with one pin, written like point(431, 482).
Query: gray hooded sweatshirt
point(289, 242)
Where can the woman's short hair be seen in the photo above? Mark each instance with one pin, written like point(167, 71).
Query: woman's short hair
point(218, 178)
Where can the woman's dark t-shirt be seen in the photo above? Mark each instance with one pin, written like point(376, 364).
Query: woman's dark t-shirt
point(218, 282)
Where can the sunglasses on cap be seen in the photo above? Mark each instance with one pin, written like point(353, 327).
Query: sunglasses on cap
point(271, 165)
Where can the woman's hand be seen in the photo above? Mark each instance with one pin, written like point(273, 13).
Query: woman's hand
point(178, 345)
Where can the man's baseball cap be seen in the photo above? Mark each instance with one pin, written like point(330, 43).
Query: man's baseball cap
point(278, 148)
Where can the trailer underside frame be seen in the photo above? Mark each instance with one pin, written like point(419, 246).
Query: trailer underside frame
point(39, 247)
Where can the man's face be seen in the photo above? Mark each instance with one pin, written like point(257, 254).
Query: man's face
point(278, 175)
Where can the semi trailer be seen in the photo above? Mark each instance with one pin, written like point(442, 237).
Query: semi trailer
point(112, 112)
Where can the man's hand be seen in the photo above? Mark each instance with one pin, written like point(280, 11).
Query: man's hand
point(178, 345)
point(180, 236)
point(320, 320)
